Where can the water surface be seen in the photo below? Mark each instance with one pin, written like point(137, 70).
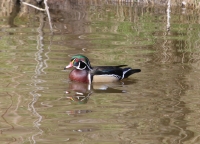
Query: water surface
point(38, 103)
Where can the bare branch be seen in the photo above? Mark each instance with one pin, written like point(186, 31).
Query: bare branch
point(33, 6)
point(48, 14)
point(46, 9)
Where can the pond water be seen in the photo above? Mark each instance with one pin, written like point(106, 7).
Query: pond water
point(159, 105)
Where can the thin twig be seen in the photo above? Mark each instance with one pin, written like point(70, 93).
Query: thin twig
point(48, 14)
point(46, 9)
point(168, 14)
point(33, 6)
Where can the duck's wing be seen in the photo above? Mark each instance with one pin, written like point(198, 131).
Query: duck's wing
point(107, 70)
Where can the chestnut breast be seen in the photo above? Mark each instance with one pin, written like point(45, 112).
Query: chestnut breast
point(79, 75)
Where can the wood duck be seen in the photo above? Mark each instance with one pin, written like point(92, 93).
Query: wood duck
point(85, 73)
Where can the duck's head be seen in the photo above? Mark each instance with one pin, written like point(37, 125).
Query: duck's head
point(80, 62)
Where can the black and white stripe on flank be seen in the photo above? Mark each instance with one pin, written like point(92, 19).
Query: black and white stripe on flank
point(89, 78)
point(124, 72)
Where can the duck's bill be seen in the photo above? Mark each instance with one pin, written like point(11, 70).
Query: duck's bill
point(69, 66)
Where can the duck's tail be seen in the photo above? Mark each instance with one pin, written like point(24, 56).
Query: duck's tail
point(129, 71)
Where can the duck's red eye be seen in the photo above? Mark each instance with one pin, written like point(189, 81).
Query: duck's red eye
point(76, 60)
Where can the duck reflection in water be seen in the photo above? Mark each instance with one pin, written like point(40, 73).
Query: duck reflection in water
point(81, 92)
